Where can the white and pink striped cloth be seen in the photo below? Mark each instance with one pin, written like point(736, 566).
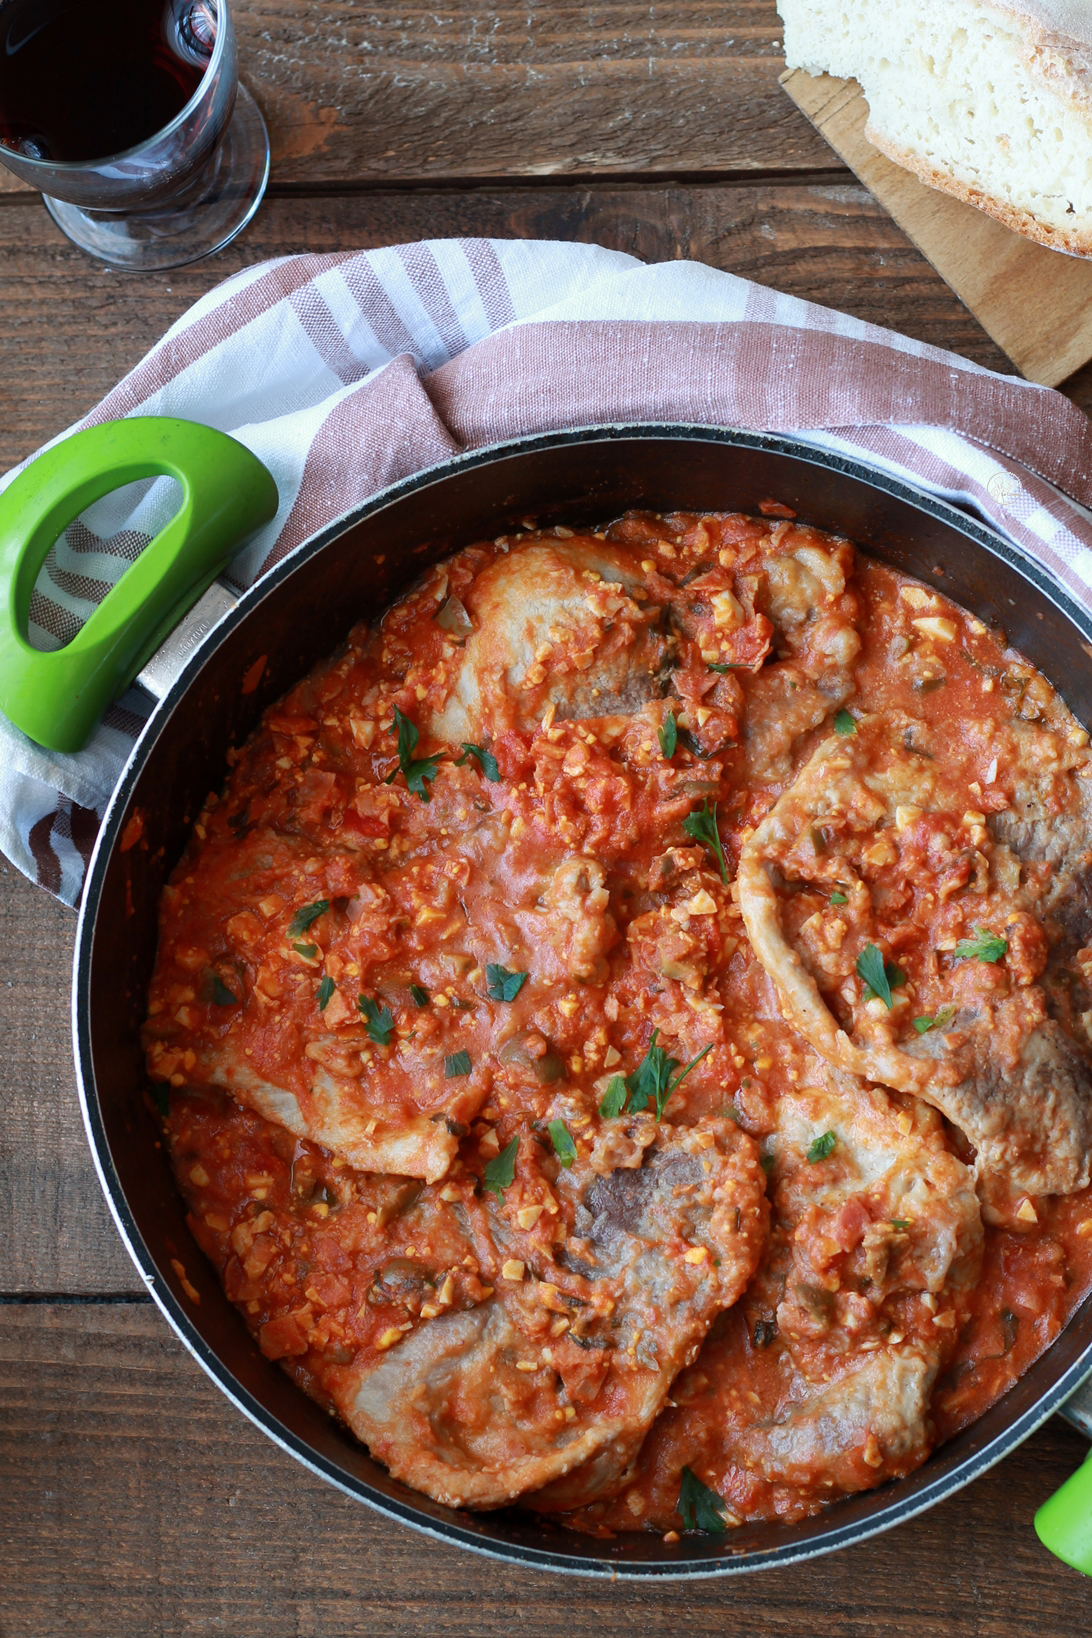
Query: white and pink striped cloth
point(345, 373)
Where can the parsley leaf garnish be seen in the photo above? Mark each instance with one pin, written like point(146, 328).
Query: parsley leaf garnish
point(651, 1081)
point(221, 995)
point(325, 993)
point(501, 1171)
point(501, 984)
point(880, 977)
point(564, 1147)
point(984, 946)
point(839, 898)
point(702, 826)
point(899, 1223)
point(699, 1507)
point(307, 951)
point(456, 1063)
point(767, 1162)
point(614, 1098)
point(420, 996)
point(668, 735)
point(940, 1020)
point(379, 1020)
point(844, 724)
point(303, 918)
point(416, 769)
point(723, 670)
point(486, 761)
point(822, 1147)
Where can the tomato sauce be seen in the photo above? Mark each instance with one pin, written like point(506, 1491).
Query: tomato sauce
point(352, 906)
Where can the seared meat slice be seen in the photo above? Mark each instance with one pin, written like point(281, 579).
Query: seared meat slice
point(917, 876)
point(342, 1115)
point(554, 1381)
point(816, 641)
point(1028, 1113)
point(870, 1423)
point(482, 1346)
point(887, 1205)
point(561, 623)
point(819, 1379)
point(875, 1249)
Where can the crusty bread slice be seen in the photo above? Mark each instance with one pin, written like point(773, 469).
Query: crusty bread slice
point(989, 100)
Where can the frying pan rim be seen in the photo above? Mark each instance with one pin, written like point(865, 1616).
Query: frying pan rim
point(675, 1567)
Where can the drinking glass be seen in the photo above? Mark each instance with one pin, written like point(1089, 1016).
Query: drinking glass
point(181, 194)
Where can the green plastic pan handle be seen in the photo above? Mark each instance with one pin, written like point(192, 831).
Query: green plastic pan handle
point(58, 697)
point(1064, 1523)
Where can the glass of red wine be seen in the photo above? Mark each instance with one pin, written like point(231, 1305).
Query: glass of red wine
point(129, 117)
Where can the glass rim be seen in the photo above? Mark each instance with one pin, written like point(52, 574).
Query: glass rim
point(90, 166)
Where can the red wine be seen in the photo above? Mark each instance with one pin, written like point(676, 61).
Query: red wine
point(84, 79)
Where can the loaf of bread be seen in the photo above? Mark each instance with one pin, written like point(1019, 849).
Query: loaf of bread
point(990, 100)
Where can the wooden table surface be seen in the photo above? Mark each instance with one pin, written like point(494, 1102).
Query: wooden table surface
point(133, 1499)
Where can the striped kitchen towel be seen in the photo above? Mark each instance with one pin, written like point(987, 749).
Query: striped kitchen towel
point(345, 373)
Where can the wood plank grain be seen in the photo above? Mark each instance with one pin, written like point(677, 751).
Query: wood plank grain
point(69, 327)
point(56, 1233)
point(1034, 302)
point(134, 1500)
point(388, 92)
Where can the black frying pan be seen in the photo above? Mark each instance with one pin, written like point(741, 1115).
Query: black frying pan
point(301, 612)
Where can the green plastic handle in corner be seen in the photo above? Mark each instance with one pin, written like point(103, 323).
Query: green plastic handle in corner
point(1064, 1523)
point(57, 697)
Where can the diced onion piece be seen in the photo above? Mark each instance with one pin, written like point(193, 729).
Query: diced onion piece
point(454, 618)
point(935, 625)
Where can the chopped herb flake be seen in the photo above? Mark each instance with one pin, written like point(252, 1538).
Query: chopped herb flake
point(416, 769)
point(940, 1019)
point(379, 1020)
point(564, 1147)
point(303, 918)
point(879, 977)
point(984, 946)
point(668, 736)
point(501, 984)
point(221, 995)
point(899, 1223)
point(839, 898)
point(420, 996)
point(844, 724)
point(767, 1162)
point(702, 826)
point(308, 951)
point(651, 1081)
point(822, 1147)
point(325, 993)
point(699, 1507)
point(456, 1063)
point(614, 1098)
point(501, 1171)
point(724, 669)
point(486, 761)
